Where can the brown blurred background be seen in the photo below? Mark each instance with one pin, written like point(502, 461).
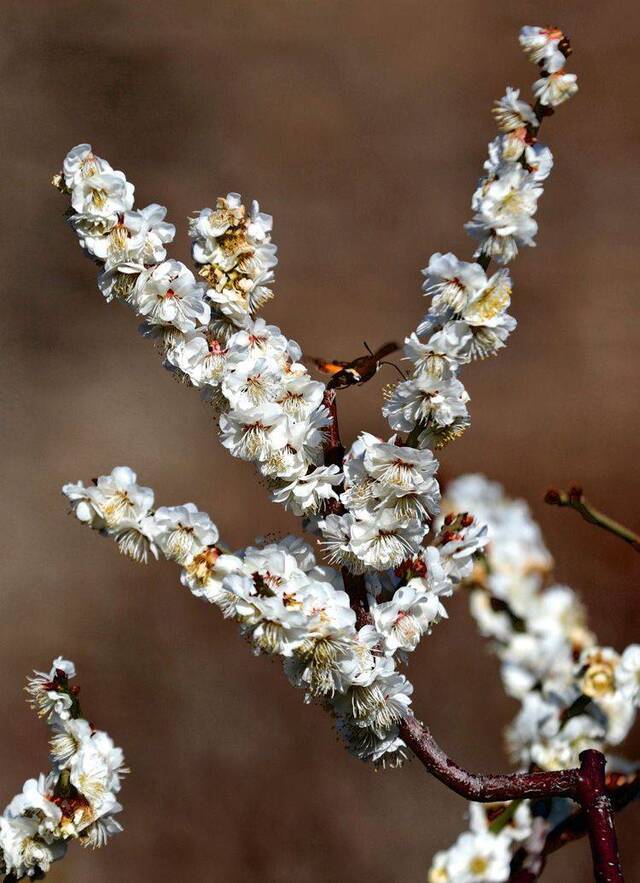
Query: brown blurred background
point(362, 127)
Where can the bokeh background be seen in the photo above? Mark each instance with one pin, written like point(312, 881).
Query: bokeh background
point(361, 125)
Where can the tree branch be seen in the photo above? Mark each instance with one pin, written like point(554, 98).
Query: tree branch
point(484, 788)
point(333, 447)
point(598, 813)
point(574, 499)
point(622, 790)
point(354, 584)
point(356, 589)
point(586, 785)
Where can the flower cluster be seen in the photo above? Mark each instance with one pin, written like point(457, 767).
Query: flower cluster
point(372, 512)
point(574, 693)
point(483, 853)
point(77, 799)
point(234, 252)
point(549, 48)
point(270, 410)
point(288, 605)
point(116, 505)
point(467, 317)
point(390, 494)
point(272, 413)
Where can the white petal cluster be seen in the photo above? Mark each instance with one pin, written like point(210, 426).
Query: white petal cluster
point(546, 48)
point(506, 199)
point(284, 603)
point(574, 693)
point(236, 256)
point(77, 799)
point(288, 605)
point(467, 320)
point(116, 505)
point(484, 852)
point(467, 317)
point(270, 410)
point(373, 513)
point(390, 495)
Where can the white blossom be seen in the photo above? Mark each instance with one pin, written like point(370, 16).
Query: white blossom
point(556, 88)
point(307, 493)
point(426, 399)
point(254, 433)
point(167, 294)
point(541, 46)
point(511, 113)
point(409, 615)
point(182, 532)
point(77, 798)
point(105, 194)
point(385, 541)
point(452, 282)
point(628, 674)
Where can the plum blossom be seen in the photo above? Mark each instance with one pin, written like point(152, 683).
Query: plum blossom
point(77, 799)
point(168, 294)
point(371, 510)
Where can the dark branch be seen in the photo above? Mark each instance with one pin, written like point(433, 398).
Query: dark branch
point(484, 788)
point(598, 813)
point(622, 790)
point(354, 584)
point(356, 589)
point(333, 447)
point(574, 499)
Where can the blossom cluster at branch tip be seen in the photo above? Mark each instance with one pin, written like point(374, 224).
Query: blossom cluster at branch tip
point(371, 514)
point(574, 693)
point(288, 605)
point(269, 409)
point(467, 317)
point(77, 799)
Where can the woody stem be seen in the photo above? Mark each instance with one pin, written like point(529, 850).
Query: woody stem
point(598, 812)
point(585, 785)
point(574, 499)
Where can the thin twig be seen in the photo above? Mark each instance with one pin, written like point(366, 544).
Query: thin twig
point(574, 499)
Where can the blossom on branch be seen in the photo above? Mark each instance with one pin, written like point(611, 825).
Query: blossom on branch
point(287, 604)
point(344, 630)
point(574, 694)
point(77, 799)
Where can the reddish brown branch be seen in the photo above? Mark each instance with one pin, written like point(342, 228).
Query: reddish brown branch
point(586, 785)
point(484, 788)
point(354, 584)
point(622, 790)
point(333, 447)
point(356, 589)
point(598, 813)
